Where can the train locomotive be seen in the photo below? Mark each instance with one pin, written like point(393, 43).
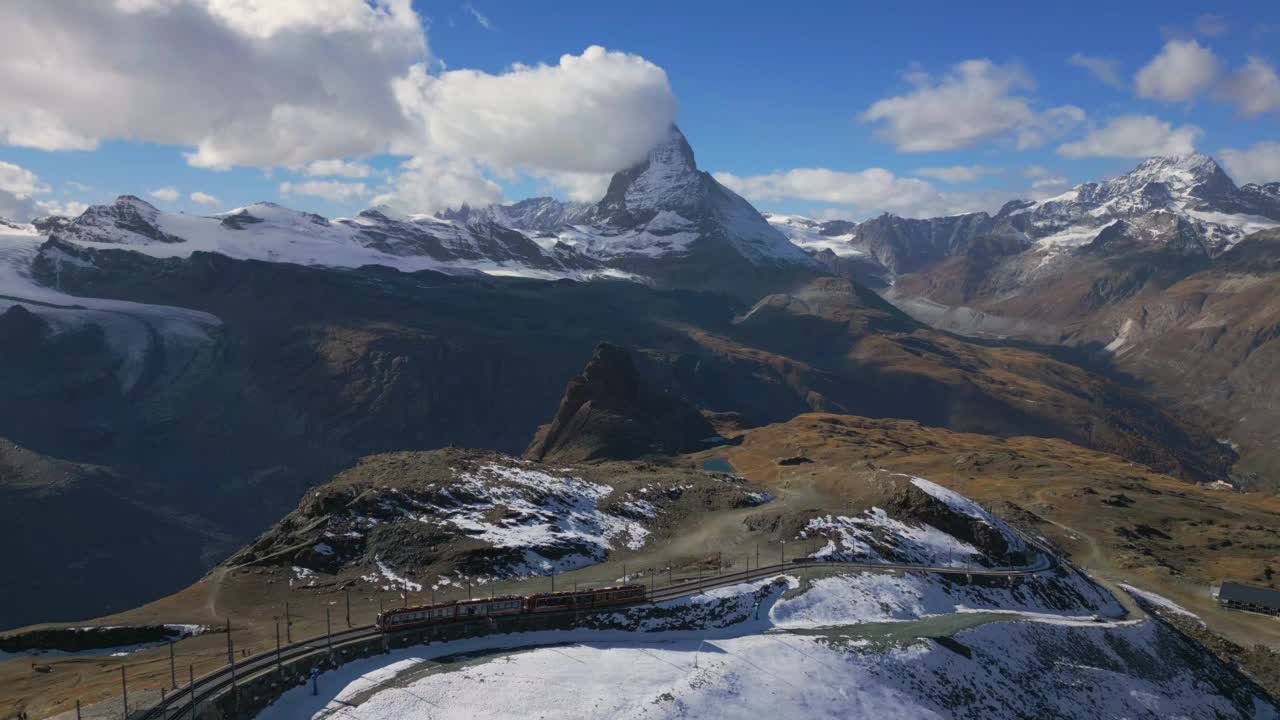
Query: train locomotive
point(456, 610)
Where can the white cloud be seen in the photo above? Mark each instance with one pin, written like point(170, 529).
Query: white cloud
point(1211, 25)
point(1259, 163)
point(1254, 88)
point(1043, 179)
point(18, 186)
point(243, 82)
point(596, 112)
point(427, 184)
point(1052, 123)
point(17, 207)
point(480, 17)
point(1181, 71)
point(1049, 183)
point(1134, 136)
point(337, 168)
point(299, 83)
point(19, 180)
point(205, 199)
point(1104, 69)
point(958, 173)
point(874, 187)
point(974, 101)
point(571, 124)
point(167, 194)
point(863, 193)
point(328, 189)
point(582, 187)
point(68, 208)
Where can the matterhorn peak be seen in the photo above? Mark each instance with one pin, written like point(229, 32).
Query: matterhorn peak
point(668, 179)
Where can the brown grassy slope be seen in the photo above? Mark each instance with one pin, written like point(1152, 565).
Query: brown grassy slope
point(1204, 335)
point(845, 350)
point(1211, 344)
point(1121, 520)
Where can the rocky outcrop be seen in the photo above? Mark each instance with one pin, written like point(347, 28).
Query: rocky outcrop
point(608, 412)
point(128, 220)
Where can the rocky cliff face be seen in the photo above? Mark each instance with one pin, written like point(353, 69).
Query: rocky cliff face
point(609, 413)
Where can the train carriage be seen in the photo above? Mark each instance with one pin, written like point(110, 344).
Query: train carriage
point(576, 600)
point(406, 618)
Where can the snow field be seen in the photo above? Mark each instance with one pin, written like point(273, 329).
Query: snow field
point(755, 669)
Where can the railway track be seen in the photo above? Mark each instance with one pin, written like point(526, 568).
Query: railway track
point(182, 703)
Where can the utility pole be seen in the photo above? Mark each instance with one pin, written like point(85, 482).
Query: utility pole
point(77, 710)
point(348, 607)
point(468, 589)
point(231, 655)
point(288, 624)
point(124, 684)
point(784, 553)
point(624, 573)
point(191, 685)
point(757, 557)
point(328, 629)
point(173, 672)
point(277, 645)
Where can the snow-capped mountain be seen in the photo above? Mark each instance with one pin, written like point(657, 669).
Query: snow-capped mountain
point(1186, 205)
point(817, 235)
point(662, 221)
point(667, 206)
point(541, 214)
point(1203, 202)
point(269, 232)
point(8, 225)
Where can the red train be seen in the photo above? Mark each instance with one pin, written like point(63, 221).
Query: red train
point(404, 618)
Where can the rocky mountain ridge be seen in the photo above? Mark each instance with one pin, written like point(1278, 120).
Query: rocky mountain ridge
point(1187, 203)
point(610, 412)
point(663, 221)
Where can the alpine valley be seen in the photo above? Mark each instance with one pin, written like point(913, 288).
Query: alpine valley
point(1166, 275)
point(398, 359)
point(278, 347)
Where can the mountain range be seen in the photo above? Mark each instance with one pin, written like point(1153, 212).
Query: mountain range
point(663, 221)
point(213, 368)
point(1165, 274)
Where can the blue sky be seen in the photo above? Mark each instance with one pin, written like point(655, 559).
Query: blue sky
point(763, 89)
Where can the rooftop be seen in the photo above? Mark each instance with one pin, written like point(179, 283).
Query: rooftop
point(1235, 592)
